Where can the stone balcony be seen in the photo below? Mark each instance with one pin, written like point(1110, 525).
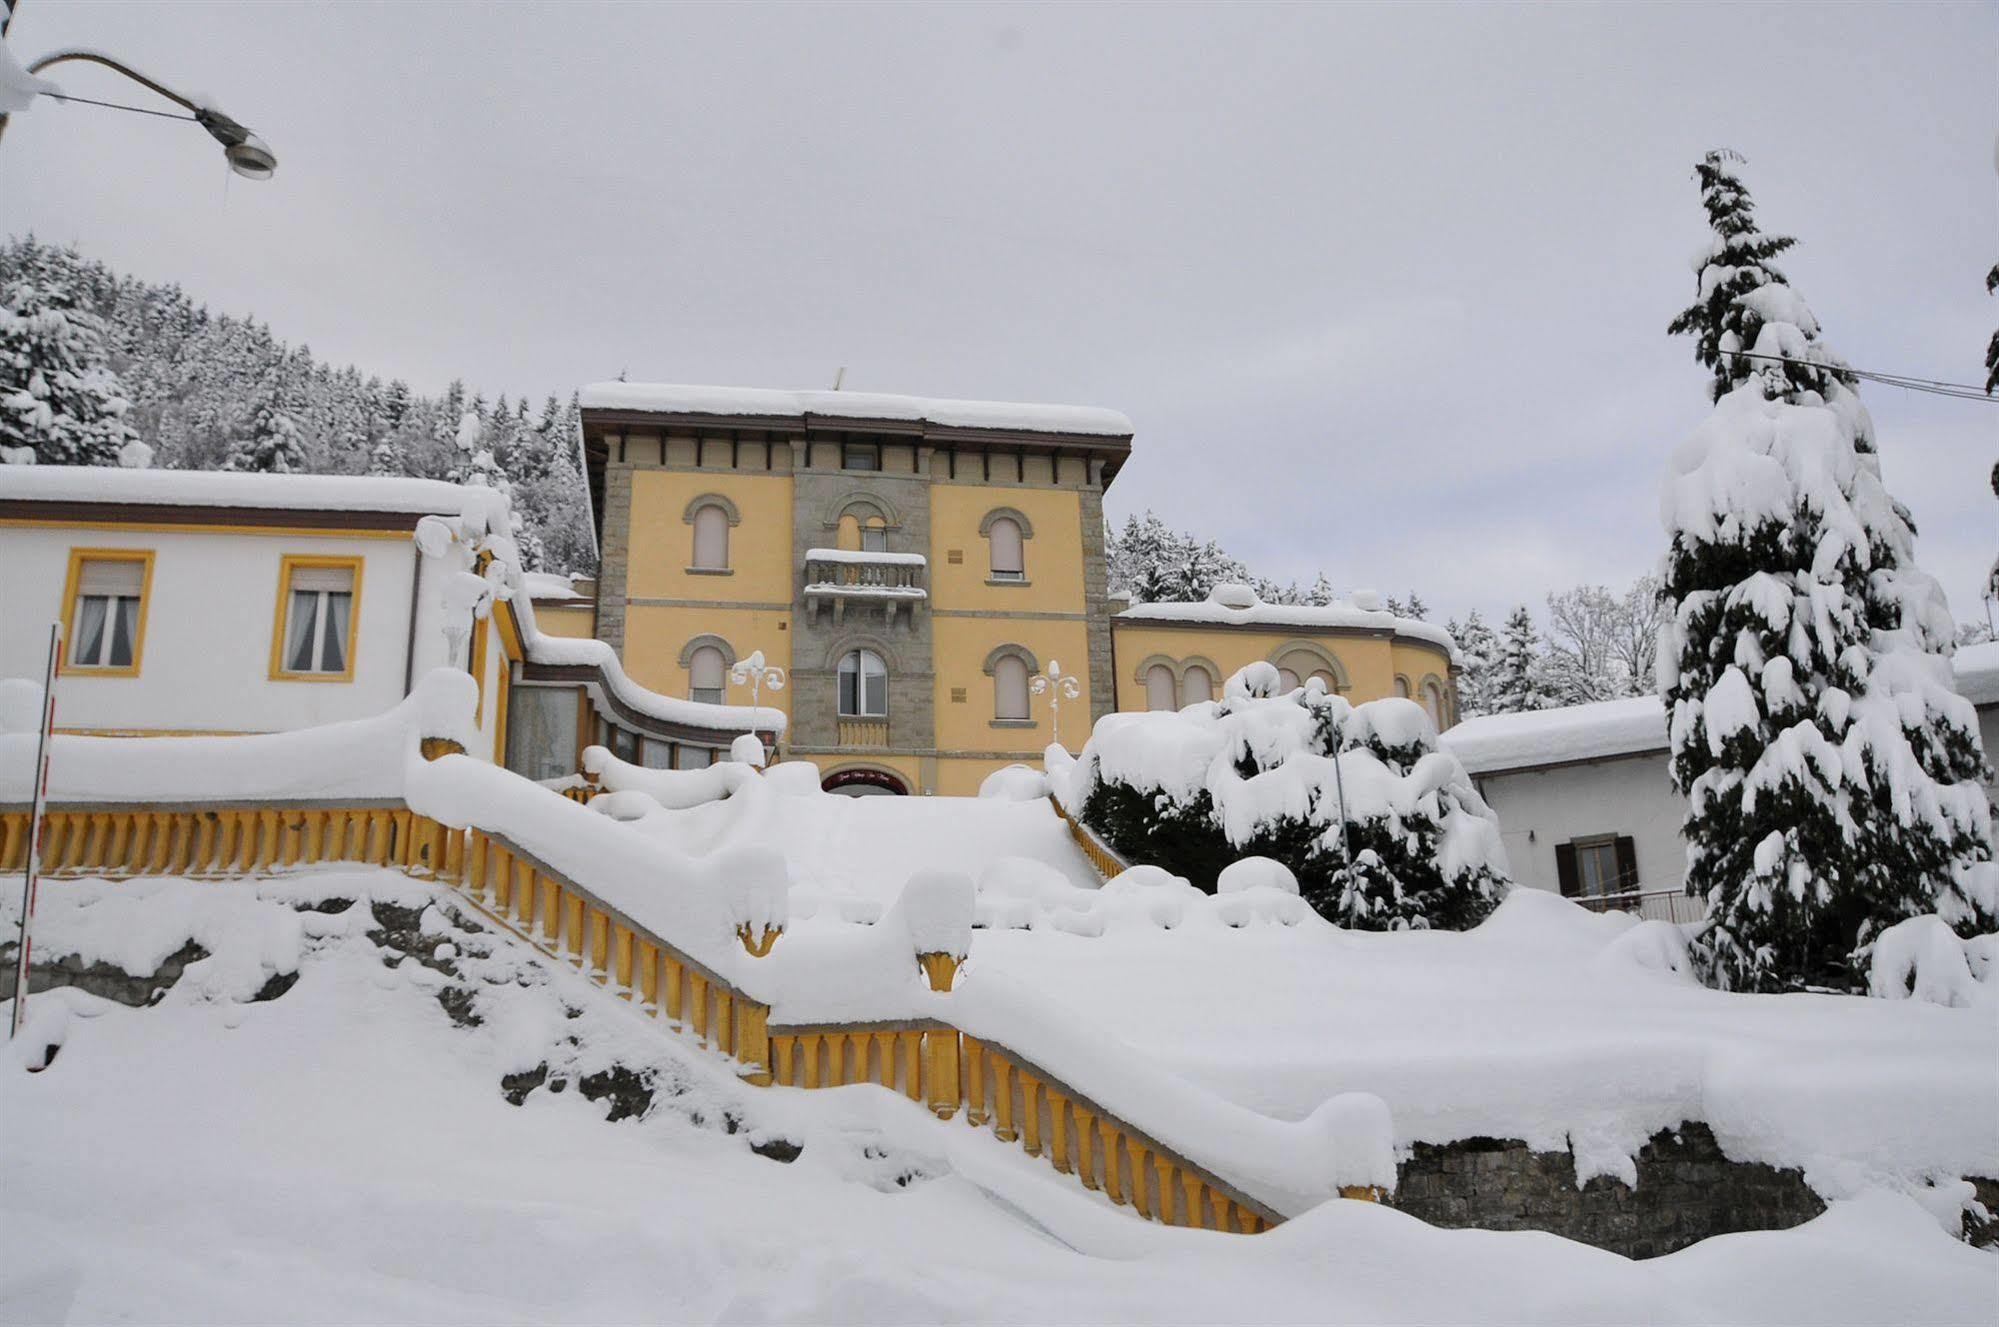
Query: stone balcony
point(841, 583)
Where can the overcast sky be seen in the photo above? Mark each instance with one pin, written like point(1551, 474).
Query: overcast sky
point(1383, 289)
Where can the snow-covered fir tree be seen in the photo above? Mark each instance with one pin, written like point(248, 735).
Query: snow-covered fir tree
point(271, 443)
point(1478, 651)
point(1831, 770)
point(60, 402)
point(1519, 675)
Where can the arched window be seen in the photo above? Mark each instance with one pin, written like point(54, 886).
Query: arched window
point(874, 535)
point(1010, 687)
point(1402, 687)
point(863, 685)
point(1159, 688)
point(1287, 680)
point(711, 539)
point(705, 669)
point(1433, 703)
point(1326, 680)
point(848, 539)
point(1196, 685)
point(1008, 562)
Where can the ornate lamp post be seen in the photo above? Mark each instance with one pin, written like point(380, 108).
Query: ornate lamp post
point(756, 675)
point(1059, 686)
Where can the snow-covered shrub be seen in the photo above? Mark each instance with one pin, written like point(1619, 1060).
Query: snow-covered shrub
point(1256, 775)
point(1924, 959)
point(1831, 770)
point(1256, 873)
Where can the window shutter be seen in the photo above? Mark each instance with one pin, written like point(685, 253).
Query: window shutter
point(1006, 551)
point(711, 539)
point(106, 576)
point(1565, 870)
point(1627, 864)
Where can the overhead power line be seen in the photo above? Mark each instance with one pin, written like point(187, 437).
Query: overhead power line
point(1960, 390)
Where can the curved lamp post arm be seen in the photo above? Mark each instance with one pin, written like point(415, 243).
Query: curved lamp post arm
point(248, 154)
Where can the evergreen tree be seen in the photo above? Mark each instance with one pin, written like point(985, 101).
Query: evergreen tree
point(1478, 650)
point(1518, 676)
point(1831, 771)
point(1321, 594)
point(60, 402)
point(271, 445)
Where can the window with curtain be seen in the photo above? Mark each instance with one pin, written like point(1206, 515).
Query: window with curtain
point(1160, 691)
point(711, 539)
point(1196, 686)
point(863, 682)
point(104, 624)
point(1008, 558)
point(319, 620)
point(1010, 687)
point(706, 670)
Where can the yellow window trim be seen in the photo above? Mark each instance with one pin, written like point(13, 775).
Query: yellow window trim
point(481, 629)
point(286, 565)
point(77, 557)
point(500, 714)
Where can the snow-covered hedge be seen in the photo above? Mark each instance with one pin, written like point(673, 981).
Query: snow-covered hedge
point(1265, 772)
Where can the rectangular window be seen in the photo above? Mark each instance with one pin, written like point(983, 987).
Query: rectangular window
point(860, 456)
point(696, 757)
point(706, 695)
point(318, 604)
point(107, 612)
point(1596, 868)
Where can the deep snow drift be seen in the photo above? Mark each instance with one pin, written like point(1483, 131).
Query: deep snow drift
point(344, 1153)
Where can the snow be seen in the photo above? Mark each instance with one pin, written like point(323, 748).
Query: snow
point(667, 398)
point(1015, 783)
point(668, 709)
point(219, 488)
point(1493, 743)
point(1247, 873)
point(935, 909)
point(1363, 1138)
point(343, 1153)
point(1238, 612)
point(544, 586)
point(1923, 959)
point(747, 750)
point(19, 88)
point(865, 557)
point(362, 758)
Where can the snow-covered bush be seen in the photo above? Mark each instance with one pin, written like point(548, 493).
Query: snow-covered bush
point(1014, 783)
point(1255, 775)
point(1924, 959)
point(1831, 770)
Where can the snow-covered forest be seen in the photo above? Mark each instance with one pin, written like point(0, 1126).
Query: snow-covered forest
point(92, 361)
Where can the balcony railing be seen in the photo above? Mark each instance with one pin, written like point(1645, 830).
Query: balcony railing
point(863, 732)
point(1670, 905)
point(842, 581)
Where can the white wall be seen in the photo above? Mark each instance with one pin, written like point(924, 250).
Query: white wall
point(205, 659)
point(1629, 795)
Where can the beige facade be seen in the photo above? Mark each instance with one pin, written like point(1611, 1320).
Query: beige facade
point(913, 566)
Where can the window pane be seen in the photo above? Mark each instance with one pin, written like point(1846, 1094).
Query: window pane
point(860, 456)
point(1010, 688)
point(1196, 686)
point(90, 632)
point(1004, 535)
point(706, 695)
point(850, 682)
point(1159, 688)
point(656, 755)
point(874, 539)
point(334, 658)
point(124, 630)
point(705, 669)
point(299, 633)
point(696, 757)
point(711, 538)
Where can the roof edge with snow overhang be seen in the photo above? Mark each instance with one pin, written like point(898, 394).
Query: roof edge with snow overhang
point(1238, 606)
point(54, 492)
point(751, 403)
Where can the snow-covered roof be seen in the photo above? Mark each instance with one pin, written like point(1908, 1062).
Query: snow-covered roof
point(221, 488)
point(1977, 669)
point(548, 587)
point(677, 399)
point(1606, 728)
point(1306, 617)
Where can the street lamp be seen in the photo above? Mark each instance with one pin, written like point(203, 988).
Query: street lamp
point(248, 155)
point(752, 673)
point(1059, 686)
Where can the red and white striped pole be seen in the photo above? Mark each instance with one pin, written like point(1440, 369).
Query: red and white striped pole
point(22, 954)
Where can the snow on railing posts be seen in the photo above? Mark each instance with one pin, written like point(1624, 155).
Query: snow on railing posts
point(1361, 1136)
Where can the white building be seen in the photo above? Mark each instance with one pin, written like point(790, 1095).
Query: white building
point(1585, 802)
point(216, 603)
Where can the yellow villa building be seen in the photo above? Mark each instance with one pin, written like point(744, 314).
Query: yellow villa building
point(914, 565)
